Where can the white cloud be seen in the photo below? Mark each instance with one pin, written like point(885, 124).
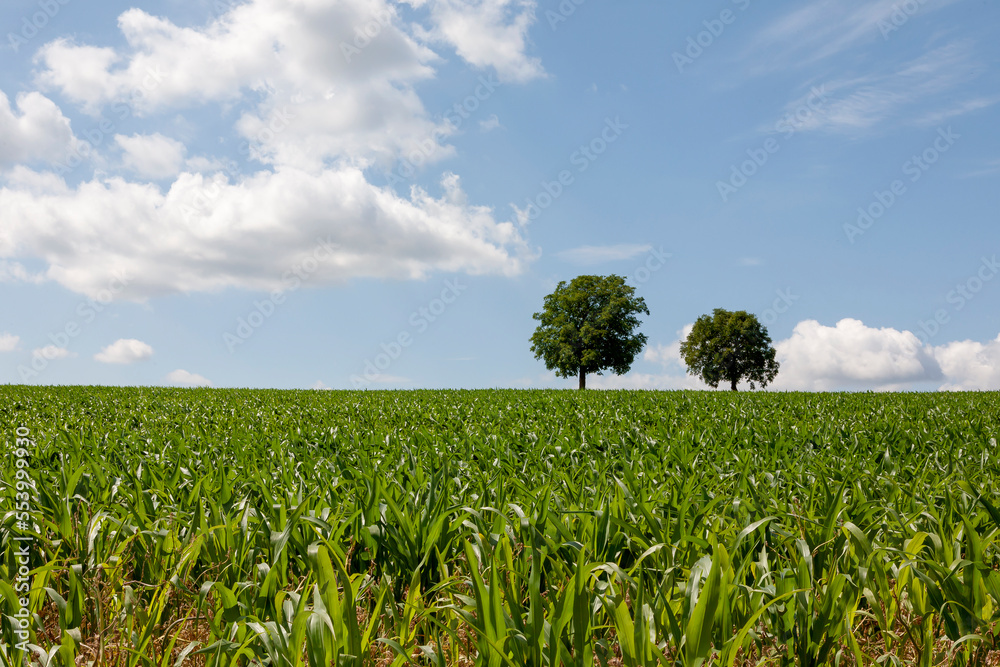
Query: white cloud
point(8, 342)
point(319, 385)
point(317, 91)
point(124, 351)
point(308, 102)
point(490, 124)
point(970, 365)
point(52, 352)
point(37, 132)
point(852, 356)
point(255, 45)
point(15, 272)
point(669, 355)
point(253, 234)
point(152, 156)
point(587, 255)
point(183, 378)
point(317, 116)
point(487, 33)
point(849, 356)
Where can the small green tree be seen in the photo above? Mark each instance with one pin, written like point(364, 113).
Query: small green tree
point(730, 346)
point(588, 326)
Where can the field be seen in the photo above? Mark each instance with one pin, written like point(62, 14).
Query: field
point(237, 527)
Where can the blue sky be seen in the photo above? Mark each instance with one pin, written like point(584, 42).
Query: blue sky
point(377, 193)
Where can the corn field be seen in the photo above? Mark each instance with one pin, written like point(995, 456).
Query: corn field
point(160, 527)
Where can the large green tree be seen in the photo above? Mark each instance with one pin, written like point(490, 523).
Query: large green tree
point(730, 347)
point(589, 326)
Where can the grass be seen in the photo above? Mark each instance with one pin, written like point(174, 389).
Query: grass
point(238, 527)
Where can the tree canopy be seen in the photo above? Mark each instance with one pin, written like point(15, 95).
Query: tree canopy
point(730, 347)
point(589, 326)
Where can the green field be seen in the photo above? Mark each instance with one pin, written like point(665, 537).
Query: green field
point(238, 527)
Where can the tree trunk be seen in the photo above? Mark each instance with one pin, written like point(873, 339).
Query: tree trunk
point(733, 385)
point(583, 379)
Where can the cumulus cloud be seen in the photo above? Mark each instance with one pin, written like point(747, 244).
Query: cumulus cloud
point(969, 365)
point(316, 117)
point(303, 62)
point(152, 156)
point(15, 272)
point(37, 131)
point(487, 33)
point(670, 354)
point(8, 342)
point(253, 45)
point(253, 234)
point(124, 351)
point(852, 355)
point(308, 101)
point(183, 378)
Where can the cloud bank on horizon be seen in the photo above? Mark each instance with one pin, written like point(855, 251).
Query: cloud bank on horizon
point(847, 356)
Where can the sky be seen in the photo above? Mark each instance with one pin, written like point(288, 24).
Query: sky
point(380, 193)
